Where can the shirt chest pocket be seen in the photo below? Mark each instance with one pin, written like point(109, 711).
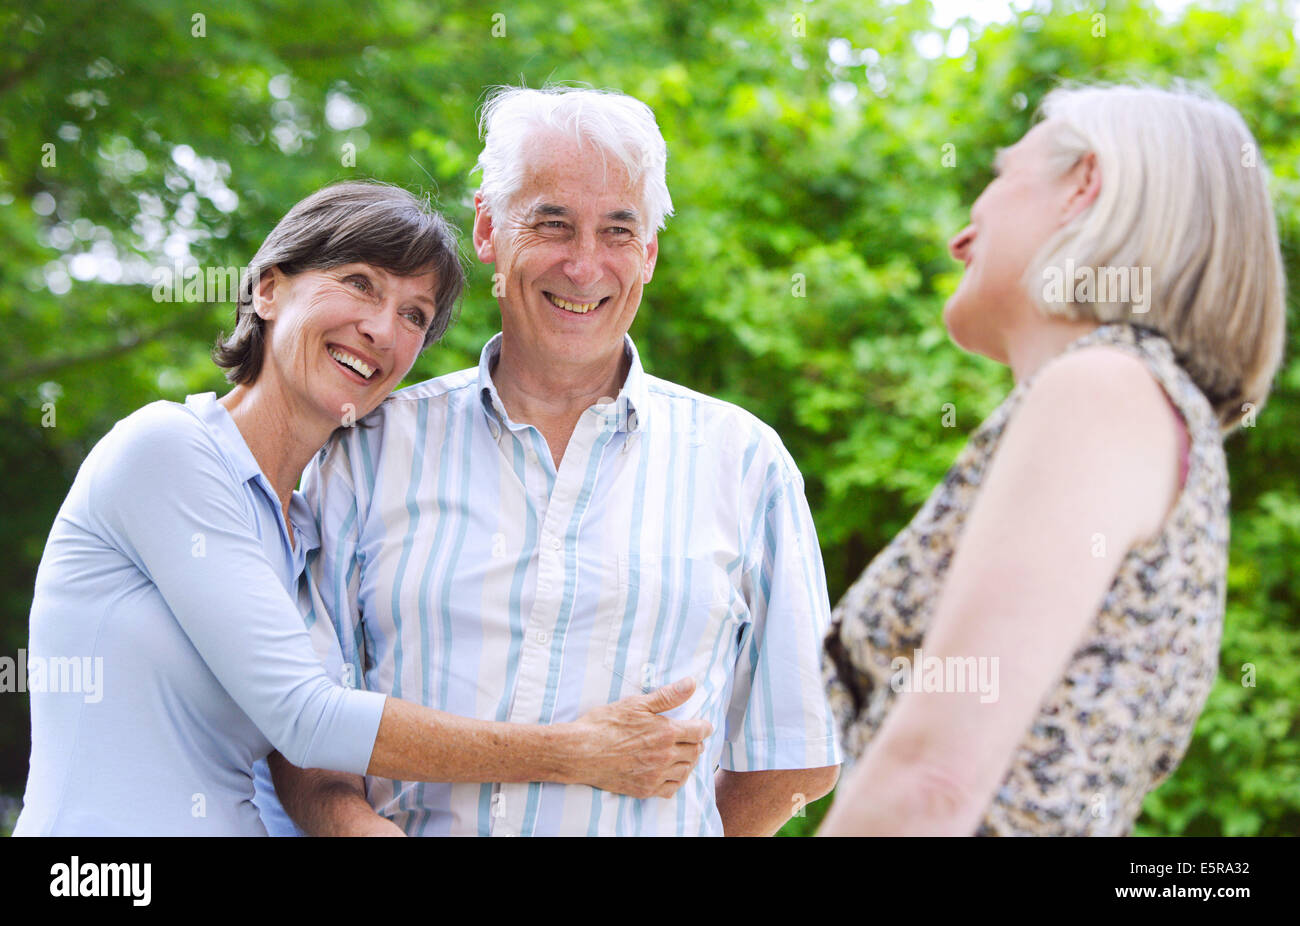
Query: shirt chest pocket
point(673, 616)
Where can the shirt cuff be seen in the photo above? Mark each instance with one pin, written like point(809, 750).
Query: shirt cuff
point(348, 740)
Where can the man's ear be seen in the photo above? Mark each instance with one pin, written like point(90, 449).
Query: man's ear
point(1083, 184)
point(651, 256)
point(483, 245)
point(268, 290)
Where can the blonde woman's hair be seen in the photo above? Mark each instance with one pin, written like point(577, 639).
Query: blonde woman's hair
point(1184, 192)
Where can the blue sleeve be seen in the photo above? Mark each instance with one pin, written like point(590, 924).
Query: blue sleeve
point(778, 717)
point(164, 496)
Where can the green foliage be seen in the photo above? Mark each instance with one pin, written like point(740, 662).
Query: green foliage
point(803, 274)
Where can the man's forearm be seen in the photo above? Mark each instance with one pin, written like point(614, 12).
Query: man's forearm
point(325, 803)
point(759, 803)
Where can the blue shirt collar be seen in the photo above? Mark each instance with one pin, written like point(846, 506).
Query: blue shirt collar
point(215, 417)
point(630, 407)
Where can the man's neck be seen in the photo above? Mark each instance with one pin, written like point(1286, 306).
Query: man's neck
point(552, 397)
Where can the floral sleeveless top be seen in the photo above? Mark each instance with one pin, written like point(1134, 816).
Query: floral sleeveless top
point(1120, 719)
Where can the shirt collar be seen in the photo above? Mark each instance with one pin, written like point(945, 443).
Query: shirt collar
point(630, 407)
point(217, 419)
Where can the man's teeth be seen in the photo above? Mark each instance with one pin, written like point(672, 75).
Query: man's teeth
point(581, 308)
point(355, 363)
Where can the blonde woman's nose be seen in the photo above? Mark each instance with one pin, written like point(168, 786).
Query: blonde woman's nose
point(959, 246)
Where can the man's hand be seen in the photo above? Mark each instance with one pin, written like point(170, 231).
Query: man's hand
point(627, 748)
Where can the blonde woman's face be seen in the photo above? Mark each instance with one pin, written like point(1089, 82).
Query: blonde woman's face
point(1012, 219)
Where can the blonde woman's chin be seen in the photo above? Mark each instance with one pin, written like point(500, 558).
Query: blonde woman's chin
point(970, 329)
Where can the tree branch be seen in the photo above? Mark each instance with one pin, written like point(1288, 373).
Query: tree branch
point(49, 365)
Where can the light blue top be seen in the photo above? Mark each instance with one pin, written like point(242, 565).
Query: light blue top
point(466, 572)
point(166, 583)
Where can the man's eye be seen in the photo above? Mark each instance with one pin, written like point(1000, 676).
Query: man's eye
point(553, 223)
point(619, 230)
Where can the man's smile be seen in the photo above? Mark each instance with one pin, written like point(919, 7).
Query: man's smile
point(573, 306)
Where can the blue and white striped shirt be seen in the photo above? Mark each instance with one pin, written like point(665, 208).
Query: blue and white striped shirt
point(463, 571)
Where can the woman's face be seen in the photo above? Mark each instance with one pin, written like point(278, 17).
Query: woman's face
point(340, 340)
point(1015, 215)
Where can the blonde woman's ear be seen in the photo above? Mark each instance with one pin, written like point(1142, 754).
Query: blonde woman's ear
point(1084, 185)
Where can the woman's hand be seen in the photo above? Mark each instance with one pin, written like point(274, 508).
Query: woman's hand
point(628, 748)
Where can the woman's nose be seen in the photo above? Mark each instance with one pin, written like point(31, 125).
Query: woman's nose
point(378, 326)
point(959, 246)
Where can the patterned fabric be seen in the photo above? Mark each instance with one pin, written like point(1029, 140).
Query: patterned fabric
point(464, 571)
point(1121, 718)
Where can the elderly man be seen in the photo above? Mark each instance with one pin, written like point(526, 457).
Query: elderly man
point(557, 529)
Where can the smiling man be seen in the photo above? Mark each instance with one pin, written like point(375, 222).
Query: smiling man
point(557, 528)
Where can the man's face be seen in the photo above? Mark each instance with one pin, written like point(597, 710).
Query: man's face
point(572, 251)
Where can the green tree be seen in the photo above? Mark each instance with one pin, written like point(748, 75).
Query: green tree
point(820, 155)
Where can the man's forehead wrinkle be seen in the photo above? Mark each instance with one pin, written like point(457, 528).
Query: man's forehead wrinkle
point(568, 149)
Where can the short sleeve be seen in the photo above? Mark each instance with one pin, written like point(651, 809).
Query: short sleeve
point(778, 717)
point(162, 493)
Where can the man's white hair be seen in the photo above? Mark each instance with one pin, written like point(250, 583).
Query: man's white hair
point(614, 123)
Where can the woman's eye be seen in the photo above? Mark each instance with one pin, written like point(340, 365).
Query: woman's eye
point(360, 283)
point(417, 318)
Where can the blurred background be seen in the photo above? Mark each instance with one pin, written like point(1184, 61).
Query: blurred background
point(820, 155)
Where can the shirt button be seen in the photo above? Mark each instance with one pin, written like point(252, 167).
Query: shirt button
point(541, 636)
point(557, 544)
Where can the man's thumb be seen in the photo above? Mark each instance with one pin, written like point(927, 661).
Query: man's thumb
point(670, 696)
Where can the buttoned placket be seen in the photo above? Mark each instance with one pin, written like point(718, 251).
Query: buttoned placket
point(555, 564)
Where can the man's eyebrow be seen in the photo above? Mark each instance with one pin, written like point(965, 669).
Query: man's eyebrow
point(624, 215)
point(548, 209)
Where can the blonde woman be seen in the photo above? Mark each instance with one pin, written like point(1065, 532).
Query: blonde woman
point(1031, 653)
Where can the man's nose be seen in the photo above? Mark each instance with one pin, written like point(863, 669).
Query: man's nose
point(959, 246)
point(583, 265)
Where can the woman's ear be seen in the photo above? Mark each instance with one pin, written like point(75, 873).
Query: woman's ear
point(1083, 182)
point(268, 289)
